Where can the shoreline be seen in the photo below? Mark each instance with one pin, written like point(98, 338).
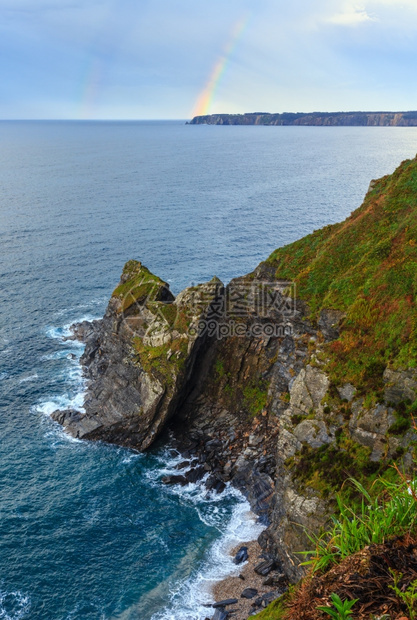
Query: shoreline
point(265, 588)
point(198, 463)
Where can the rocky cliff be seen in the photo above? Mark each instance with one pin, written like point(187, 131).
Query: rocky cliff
point(364, 119)
point(286, 381)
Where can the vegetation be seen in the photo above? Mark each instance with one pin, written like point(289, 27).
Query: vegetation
point(164, 361)
point(404, 413)
point(138, 284)
point(254, 398)
point(365, 267)
point(408, 595)
point(325, 469)
point(341, 610)
point(358, 560)
point(275, 611)
point(390, 511)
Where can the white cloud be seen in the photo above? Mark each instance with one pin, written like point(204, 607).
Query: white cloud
point(350, 17)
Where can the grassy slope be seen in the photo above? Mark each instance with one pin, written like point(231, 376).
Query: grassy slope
point(365, 266)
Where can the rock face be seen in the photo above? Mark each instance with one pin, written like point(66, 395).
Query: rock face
point(244, 406)
point(139, 358)
point(286, 398)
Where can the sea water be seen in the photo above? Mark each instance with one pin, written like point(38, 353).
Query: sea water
point(87, 530)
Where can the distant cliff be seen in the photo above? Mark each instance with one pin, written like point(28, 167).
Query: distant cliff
point(331, 119)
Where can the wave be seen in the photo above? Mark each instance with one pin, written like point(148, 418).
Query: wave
point(235, 526)
point(229, 513)
point(69, 373)
point(29, 378)
point(62, 332)
point(13, 605)
point(187, 599)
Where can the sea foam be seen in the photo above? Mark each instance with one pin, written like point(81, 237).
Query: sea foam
point(235, 526)
point(14, 605)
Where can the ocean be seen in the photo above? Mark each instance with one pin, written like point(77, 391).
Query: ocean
point(87, 530)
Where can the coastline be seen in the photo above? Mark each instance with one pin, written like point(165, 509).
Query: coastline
point(233, 586)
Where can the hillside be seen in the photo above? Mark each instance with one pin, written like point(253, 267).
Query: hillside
point(366, 268)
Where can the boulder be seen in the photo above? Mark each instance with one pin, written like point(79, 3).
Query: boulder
point(174, 479)
point(241, 555)
point(249, 593)
point(226, 602)
point(264, 568)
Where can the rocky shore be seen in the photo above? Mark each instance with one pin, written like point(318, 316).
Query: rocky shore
point(257, 585)
point(284, 395)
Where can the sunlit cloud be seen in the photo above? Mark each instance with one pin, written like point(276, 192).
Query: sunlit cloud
point(351, 16)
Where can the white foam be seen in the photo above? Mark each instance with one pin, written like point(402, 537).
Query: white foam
point(3, 375)
point(64, 331)
point(187, 598)
point(70, 373)
point(64, 353)
point(238, 526)
point(13, 605)
point(132, 457)
point(29, 378)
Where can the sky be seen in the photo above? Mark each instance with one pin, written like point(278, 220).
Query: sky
point(172, 59)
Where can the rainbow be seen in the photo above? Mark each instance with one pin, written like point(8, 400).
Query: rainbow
point(205, 99)
point(90, 89)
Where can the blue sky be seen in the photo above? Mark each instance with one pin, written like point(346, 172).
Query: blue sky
point(146, 59)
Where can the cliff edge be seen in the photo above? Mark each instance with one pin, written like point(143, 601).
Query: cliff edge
point(286, 381)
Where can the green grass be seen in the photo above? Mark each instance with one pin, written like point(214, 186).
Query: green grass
point(405, 412)
point(139, 285)
point(255, 398)
point(154, 360)
point(389, 510)
point(274, 611)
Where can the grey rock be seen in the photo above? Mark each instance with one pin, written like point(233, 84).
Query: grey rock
point(329, 323)
point(275, 580)
point(241, 555)
point(249, 593)
point(226, 602)
point(195, 474)
point(220, 614)
point(309, 389)
point(347, 392)
point(65, 416)
point(400, 385)
point(264, 568)
point(313, 433)
point(182, 465)
point(269, 597)
point(174, 479)
point(127, 402)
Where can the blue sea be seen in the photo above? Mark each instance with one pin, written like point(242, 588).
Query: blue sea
point(87, 530)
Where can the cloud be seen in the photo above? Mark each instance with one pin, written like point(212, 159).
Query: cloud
point(350, 17)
